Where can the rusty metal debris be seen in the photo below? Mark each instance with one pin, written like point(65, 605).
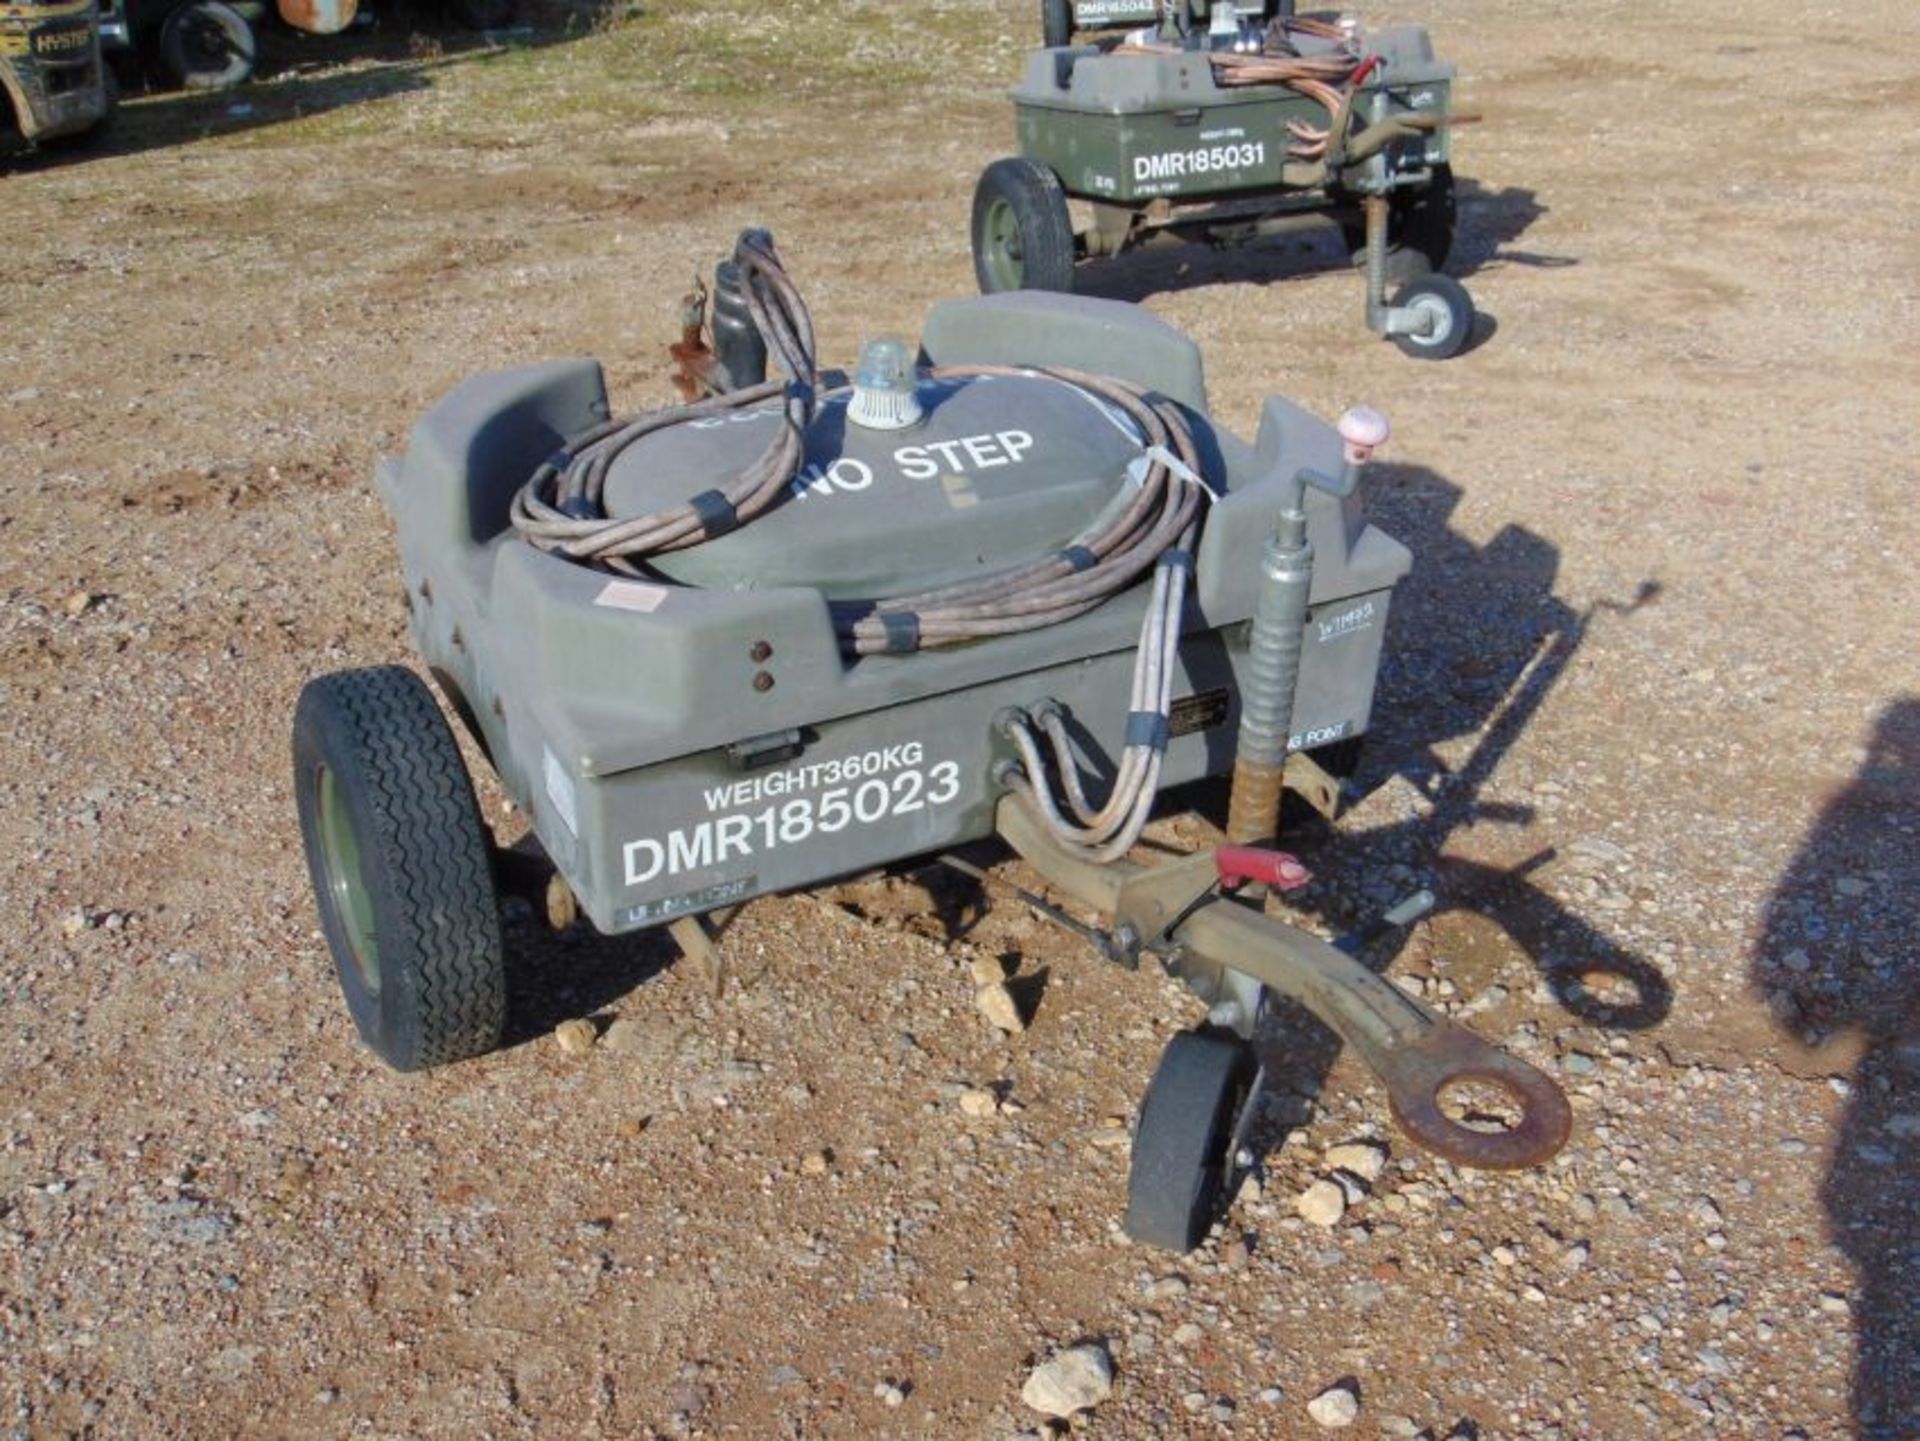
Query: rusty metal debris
point(692, 356)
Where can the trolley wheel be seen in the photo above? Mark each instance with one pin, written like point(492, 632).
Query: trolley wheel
point(207, 45)
point(401, 865)
point(1420, 230)
point(1180, 1161)
point(1056, 23)
point(1022, 239)
point(1445, 300)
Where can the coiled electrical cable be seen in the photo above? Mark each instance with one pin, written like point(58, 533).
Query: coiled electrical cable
point(1152, 525)
point(561, 508)
point(1327, 79)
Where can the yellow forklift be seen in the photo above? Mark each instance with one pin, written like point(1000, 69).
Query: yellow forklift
point(53, 85)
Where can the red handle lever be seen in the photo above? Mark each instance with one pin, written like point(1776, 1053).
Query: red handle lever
point(1239, 865)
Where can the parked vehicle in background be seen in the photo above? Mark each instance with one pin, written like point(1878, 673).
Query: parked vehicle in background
point(206, 44)
point(214, 44)
point(53, 85)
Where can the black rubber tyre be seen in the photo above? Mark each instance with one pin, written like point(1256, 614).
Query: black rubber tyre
point(207, 45)
point(1056, 22)
point(1446, 300)
point(401, 865)
point(1022, 239)
point(1180, 1161)
point(1420, 230)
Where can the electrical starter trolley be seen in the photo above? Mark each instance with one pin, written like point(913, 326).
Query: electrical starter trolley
point(1230, 135)
point(1011, 581)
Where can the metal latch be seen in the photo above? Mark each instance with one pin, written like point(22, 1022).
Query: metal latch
point(770, 749)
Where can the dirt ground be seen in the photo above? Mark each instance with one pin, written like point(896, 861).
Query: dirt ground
point(1651, 727)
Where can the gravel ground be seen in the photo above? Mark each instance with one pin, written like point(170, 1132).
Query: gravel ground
point(1650, 726)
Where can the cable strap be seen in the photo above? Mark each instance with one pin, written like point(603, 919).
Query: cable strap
point(1147, 728)
point(1138, 467)
point(903, 631)
point(716, 512)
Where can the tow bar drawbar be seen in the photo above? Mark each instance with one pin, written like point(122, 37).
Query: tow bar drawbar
point(1177, 909)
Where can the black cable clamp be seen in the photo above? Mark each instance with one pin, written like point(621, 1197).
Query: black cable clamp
point(716, 513)
point(1147, 728)
point(903, 631)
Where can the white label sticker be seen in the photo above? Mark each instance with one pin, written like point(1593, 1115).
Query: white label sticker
point(560, 791)
point(1168, 173)
point(1348, 622)
point(631, 595)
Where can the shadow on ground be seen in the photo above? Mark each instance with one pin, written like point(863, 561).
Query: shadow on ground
point(557, 974)
point(1478, 642)
point(1491, 220)
point(1839, 957)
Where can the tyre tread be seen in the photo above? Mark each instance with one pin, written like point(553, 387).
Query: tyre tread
point(431, 843)
point(1039, 205)
point(1171, 1202)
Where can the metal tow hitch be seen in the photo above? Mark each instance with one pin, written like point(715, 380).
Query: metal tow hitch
point(1417, 1054)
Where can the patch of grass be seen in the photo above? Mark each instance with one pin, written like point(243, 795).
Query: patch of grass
point(621, 65)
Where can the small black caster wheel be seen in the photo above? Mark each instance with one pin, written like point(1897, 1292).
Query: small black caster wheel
point(1181, 1142)
point(1443, 300)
